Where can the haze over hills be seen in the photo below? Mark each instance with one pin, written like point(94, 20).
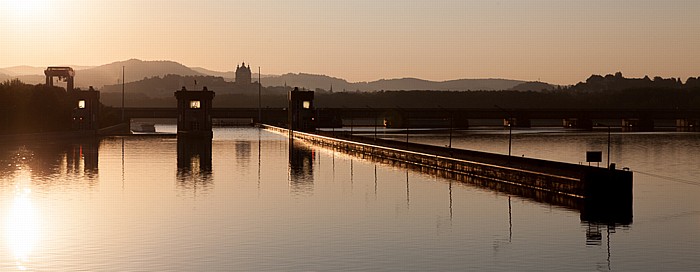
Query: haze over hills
point(30, 74)
point(99, 76)
point(25, 70)
point(228, 75)
point(137, 70)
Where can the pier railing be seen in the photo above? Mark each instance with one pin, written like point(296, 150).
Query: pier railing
point(603, 192)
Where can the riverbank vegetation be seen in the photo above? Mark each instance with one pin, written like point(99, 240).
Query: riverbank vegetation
point(39, 108)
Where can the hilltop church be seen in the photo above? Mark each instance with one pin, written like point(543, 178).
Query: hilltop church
point(243, 75)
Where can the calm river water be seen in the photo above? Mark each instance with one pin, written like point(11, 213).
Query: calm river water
point(153, 204)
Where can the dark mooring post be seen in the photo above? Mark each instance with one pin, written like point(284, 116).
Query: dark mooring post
point(608, 126)
point(194, 113)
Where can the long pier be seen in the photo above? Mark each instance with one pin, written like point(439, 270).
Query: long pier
point(602, 195)
point(629, 119)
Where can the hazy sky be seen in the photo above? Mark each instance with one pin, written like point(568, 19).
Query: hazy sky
point(557, 41)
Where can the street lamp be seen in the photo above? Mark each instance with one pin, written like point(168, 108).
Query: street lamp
point(259, 97)
point(405, 122)
point(510, 127)
point(123, 83)
point(375, 121)
point(510, 134)
point(352, 121)
point(451, 124)
point(608, 126)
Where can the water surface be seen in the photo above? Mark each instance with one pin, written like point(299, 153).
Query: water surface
point(250, 201)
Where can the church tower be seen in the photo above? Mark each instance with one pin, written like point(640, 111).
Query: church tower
point(243, 75)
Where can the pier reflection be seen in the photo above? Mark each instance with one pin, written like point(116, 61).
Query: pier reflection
point(74, 160)
point(83, 157)
point(243, 153)
point(608, 212)
point(194, 167)
point(301, 167)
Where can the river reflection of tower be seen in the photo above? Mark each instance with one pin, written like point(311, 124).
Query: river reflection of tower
point(83, 157)
point(194, 171)
point(70, 159)
point(301, 171)
point(243, 151)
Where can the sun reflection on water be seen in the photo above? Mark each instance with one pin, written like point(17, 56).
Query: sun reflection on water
point(22, 227)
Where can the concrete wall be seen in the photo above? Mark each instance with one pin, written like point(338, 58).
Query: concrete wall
point(572, 183)
point(602, 195)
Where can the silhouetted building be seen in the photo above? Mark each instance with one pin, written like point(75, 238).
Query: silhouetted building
point(243, 75)
point(63, 73)
point(86, 114)
point(301, 114)
point(194, 112)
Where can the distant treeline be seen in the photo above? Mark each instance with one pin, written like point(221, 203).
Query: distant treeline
point(39, 108)
point(643, 98)
point(33, 108)
point(618, 82)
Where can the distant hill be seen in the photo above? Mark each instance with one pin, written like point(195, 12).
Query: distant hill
point(18, 73)
point(454, 85)
point(31, 79)
point(312, 82)
point(23, 70)
point(229, 76)
point(159, 87)
point(137, 70)
point(534, 86)
point(30, 74)
point(308, 81)
point(105, 74)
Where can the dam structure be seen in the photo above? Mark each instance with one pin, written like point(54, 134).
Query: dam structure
point(603, 194)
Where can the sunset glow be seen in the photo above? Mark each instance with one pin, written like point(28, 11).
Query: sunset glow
point(22, 227)
point(27, 10)
point(553, 41)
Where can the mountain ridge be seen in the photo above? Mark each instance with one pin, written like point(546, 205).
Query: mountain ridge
point(137, 70)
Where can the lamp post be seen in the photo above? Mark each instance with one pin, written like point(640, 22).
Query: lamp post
point(510, 134)
point(405, 122)
point(352, 121)
point(375, 121)
point(608, 126)
point(451, 124)
point(510, 127)
point(259, 97)
point(123, 82)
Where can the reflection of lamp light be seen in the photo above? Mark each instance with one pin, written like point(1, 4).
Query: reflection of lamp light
point(22, 227)
point(195, 104)
point(81, 104)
